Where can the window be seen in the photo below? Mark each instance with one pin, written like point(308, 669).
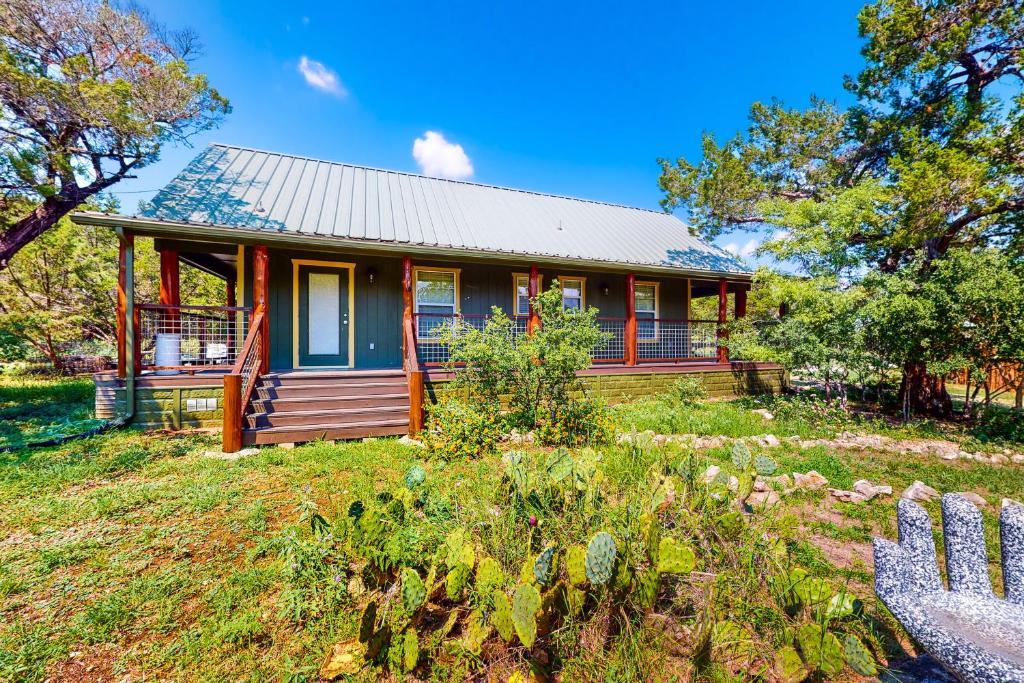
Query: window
point(645, 301)
point(572, 292)
point(436, 300)
point(521, 293)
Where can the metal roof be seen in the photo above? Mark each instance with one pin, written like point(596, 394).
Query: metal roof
point(248, 189)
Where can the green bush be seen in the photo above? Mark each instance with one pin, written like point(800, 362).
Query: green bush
point(462, 429)
point(577, 423)
point(687, 390)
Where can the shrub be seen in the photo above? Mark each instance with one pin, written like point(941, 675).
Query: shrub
point(576, 423)
point(687, 390)
point(462, 429)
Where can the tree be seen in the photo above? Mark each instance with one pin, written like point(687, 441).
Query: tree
point(89, 93)
point(929, 159)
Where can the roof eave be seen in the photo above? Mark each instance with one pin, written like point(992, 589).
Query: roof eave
point(219, 233)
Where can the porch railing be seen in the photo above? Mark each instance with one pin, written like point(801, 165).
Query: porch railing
point(659, 340)
point(189, 337)
point(239, 385)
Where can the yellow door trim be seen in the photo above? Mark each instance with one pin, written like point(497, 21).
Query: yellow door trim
point(296, 262)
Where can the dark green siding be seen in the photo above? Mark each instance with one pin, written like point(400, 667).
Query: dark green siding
point(378, 306)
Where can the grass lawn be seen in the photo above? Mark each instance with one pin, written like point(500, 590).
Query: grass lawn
point(33, 410)
point(135, 554)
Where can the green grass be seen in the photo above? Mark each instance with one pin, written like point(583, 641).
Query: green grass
point(145, 558)
point(34, 410)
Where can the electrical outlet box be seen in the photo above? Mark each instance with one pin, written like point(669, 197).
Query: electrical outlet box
point(200, 405)
point(372, 345)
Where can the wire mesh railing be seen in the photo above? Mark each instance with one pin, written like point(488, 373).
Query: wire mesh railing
point(665, 340)
point(190, 337)
point(612, 349)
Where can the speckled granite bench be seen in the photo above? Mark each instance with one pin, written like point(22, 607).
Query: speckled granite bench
point(976, 635)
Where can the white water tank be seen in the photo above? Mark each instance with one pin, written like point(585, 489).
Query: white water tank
point(168, 351)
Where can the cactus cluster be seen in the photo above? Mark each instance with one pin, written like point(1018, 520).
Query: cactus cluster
point(600, 558)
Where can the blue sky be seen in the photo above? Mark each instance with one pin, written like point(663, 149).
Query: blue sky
point(574, 98)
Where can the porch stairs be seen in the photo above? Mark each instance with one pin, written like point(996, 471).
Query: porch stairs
point(346, 404)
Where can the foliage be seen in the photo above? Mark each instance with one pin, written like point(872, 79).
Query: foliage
point(577, 422)
point(460, 429)
point(926, 162)
point(37, 410)
point(688, 390)
point(89, 93)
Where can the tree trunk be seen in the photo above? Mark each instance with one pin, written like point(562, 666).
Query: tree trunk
point(36, 223)
point(924, 394)
point(1018, 401)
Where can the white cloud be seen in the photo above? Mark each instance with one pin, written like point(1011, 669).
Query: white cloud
point(744, 252)
point(321, 77)
point(438, 157)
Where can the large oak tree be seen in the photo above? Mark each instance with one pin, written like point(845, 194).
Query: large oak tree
point(930, 158)
point(89, 92)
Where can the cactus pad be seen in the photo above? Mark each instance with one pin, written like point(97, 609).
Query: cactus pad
point(652, 536)
point(453, 544)
point(558, 465)
point(368, 622)
point(600, 560)
point(525, 605)
point(543, 565)
point(822, 650)
point(741, 456)
point(576, 564)
point(413, 590)
point(645, 593)
point(489, 575)
point(456, 581)
point(475, 631)
point(415, 476)
point(788, 665)
point(675, 557)
point(410, 650)
point(502, 615)
point(858, 656)
point(765, 466)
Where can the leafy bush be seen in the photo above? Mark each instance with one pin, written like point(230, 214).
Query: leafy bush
point(687, 390)
point(577, 423)
point(999, 424)
point(461, 429)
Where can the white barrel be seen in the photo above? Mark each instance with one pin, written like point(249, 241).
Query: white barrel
point(168, 351)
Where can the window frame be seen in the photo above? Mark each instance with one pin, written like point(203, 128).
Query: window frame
point(582, 279)
point(456, 308)
point(657, 309)
point(515, 292)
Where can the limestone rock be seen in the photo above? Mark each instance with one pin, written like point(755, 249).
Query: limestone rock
point(660, 440)
point(407, 440)
point(810, 481)
point(783, 482)
point(1018, 458)
point(770, 440)
point(758, 500)
point(869, 490)
point(710, 473)
point(288, 445)
point(764, 413)
point(848, 496)
point(975, 498)
point(999, 459)
point(760, 485)
point(734, 483)
point(920, 492)
point(1007, 502)
point(344, 658)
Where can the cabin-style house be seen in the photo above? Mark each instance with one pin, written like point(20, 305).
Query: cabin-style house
point(339, 277)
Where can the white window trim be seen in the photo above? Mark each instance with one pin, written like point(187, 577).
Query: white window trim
point(583, 288)
point(657, 310)
point(515, 291)
point(457, 272)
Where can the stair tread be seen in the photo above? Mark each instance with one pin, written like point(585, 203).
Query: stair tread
point(314, 385)
point(314, 399)
point(334, 411)
point(348, 425)
point(344, 374)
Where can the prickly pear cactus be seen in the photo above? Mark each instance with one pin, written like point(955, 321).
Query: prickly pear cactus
point(645, 590)
point(741, 456)
point(623, 579)
point(576, 564)
point(858, 656)
point(765, 466)
point(526, 571)
point(600, 561)
point(788, 665)
point(675, 557)
point(822, 650)
point(525, 605)
point(475, 631)
point(558, 465)
point(730, 524)
point(453, 544)
point(502, 615)
point(413, 590)
point(489, 575)
point(410, 650)
point(544, 565)
point(415, 476)
point(575, 598)
point(652, 536)
point(744, 486)
point(456, 581)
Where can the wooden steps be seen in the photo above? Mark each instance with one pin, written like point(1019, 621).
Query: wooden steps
point(306, 406)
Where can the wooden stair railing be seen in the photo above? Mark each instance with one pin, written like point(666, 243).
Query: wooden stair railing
point(239, 385)
point(414, 376)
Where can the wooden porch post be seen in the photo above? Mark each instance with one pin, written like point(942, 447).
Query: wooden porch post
point(407, 317)
point(741, 304)
point(630, 329)
point(124, 246)
point(723, 307)
point(533, 289)
point(170, 289)
point(229, 301)
point(260, 297)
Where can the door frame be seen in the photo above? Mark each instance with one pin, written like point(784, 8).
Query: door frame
point(351, 267)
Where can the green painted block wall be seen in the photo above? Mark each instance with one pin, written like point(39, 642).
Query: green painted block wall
point(167, 408)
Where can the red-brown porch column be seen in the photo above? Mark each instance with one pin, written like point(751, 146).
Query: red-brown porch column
point(229, 301)
point(723, 307)
point(260, 297)
point(629, 333)
point(741, 303)
point(124, 245)
point(532, 290)
point(407, 313)
point(170, 290)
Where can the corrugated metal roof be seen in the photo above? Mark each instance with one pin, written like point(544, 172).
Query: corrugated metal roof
point(236, 187)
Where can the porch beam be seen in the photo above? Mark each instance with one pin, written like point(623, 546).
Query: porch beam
point(533, 289)
point(723, 309)
point(629, 332)
point(260, 299)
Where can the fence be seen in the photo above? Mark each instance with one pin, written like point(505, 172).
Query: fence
point(190, 337)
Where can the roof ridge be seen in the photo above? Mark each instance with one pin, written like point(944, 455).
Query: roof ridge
point(445, 180)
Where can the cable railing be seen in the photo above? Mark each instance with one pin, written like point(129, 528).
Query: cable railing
point(240, 382)
point(190, 337)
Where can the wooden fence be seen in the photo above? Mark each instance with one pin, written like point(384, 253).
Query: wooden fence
point(1000, 377)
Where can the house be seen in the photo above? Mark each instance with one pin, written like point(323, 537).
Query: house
point(339, 277)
